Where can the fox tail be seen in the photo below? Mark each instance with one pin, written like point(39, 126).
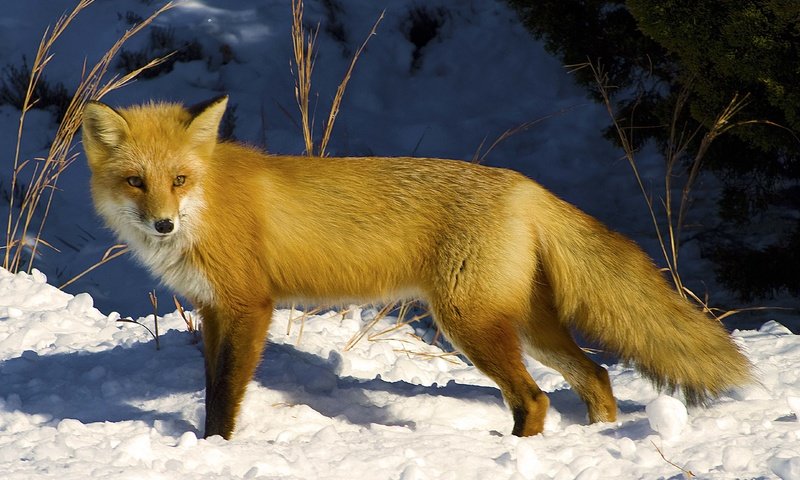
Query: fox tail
point(606, 288)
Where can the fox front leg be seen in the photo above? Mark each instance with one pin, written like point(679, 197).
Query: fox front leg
point(233, 344)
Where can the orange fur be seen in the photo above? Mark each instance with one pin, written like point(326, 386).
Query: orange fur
point(504, 265)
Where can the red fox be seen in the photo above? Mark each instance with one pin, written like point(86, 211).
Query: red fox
point(505, 266)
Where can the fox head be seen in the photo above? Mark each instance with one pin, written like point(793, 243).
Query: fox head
point(147, 165)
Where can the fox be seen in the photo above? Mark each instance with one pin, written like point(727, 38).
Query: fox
point(505, 266)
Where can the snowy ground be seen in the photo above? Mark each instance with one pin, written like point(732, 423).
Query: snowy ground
point(84, 396)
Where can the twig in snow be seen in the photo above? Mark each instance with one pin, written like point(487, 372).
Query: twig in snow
point(686, 473)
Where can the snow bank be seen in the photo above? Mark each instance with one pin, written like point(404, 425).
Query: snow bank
point(84, 396)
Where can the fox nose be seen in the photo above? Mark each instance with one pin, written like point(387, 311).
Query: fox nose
point(164, 225)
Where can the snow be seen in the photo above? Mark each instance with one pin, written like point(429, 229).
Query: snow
point(83, 395)
point(86, 396)
point(667, 416)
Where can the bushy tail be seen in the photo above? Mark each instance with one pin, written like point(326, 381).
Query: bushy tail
point(607, 288)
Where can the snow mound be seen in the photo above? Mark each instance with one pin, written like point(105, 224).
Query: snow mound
point(667, 416)
point(90, 397)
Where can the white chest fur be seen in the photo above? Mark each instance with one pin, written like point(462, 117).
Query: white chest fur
point(168, 260)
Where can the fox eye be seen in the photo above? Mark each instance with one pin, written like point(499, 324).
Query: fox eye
point(179, 180)
point(135, 181)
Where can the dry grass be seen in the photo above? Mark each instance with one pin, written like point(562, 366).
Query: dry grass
point(480, 154)
point(305, 315)
point(403, 309)
point(23, 230)
point(111, 253)
point(676, 154)
point(685, 472)
point(382, 313)
point(192, 325)
point(151, 296)
point(305, 47)
point(154, 303)
point(406, 315)
point(304, 56)
point(337, 98)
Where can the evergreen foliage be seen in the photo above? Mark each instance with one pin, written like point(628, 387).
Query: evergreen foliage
point(651, 49)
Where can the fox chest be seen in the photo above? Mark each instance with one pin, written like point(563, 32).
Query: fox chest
point(175, 270)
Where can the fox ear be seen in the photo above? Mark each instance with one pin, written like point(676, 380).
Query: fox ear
point(103, 127)
point(206, 117)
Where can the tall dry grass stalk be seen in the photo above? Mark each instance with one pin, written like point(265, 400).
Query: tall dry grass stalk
point(154, 303)
point(305, 47)
point(676, 154)
point(304, 56)
point(111, 253)
point(480, 154)
point(22, 231)
point(192, 324)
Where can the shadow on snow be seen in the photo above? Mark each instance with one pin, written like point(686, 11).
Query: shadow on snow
point(118, 384)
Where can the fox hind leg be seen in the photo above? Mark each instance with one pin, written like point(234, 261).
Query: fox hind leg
point(491, 342)
point(552, 344)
